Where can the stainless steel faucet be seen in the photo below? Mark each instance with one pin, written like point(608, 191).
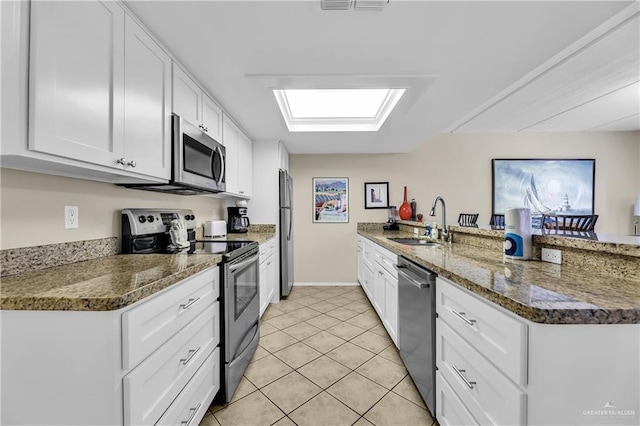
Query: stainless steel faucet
point(445, 232)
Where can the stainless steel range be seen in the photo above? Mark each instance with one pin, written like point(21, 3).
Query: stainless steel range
point(147, 231)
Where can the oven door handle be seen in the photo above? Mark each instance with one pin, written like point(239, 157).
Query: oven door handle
point(235, 266)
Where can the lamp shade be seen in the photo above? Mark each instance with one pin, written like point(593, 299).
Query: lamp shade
point(636, 207)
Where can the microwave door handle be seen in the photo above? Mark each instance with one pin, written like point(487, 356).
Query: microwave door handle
point(222, 163)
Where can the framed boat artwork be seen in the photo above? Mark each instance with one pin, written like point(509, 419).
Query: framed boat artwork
point(546, 186)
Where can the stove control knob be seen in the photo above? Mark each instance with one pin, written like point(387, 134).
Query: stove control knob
point(150, 219)
point(189, 217)
point(142, 219)
point(193, 217)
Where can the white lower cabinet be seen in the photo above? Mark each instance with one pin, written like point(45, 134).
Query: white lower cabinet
point(151, 387)
point(134, 366)
point(268, 273)
point(194, 400)
point(450, 409)
point(379, 280)
point(496, 368)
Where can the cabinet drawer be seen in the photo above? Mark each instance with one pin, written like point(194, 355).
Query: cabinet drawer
point(192, 403)
point(449, 409)
point(485, 391)
point(147, 326)
point(501, 338)
point(150, 387)
point(386, 259)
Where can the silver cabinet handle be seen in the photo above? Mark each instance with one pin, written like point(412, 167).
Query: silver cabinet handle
point(241, 192)
point(463, 318)
point(206, 129)
point(121, 161)
point(189, 303)
point(191, 354)
point(463, 377)
point(200, 126)
point(131, 163)
point(193, 414)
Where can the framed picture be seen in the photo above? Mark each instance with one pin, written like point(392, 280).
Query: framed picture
point(376, 195)
point(330, 200)
point(546, 186)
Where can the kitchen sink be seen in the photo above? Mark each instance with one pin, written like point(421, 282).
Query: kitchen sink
point(413, 242)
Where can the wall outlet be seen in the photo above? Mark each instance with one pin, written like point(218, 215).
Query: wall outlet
point(551, 255)
point(416, 231)
point(71, 217)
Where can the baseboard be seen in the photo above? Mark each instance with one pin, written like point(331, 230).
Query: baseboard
point(324, 284)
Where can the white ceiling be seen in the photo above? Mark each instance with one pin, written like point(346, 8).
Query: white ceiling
point(452, 56)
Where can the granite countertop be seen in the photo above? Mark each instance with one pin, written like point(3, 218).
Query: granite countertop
point(537, 291)
point(106, 283)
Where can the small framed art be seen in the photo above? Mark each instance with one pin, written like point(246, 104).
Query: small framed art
point(376, 195)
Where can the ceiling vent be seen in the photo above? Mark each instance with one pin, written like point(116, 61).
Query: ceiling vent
point(335, 4)
point(357, 4)
point(370, 4)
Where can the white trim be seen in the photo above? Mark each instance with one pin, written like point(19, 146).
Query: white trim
point(600, 32)
point(338, 124)
point(325, 284)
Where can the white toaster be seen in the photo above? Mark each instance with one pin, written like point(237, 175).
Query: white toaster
point(215, 228)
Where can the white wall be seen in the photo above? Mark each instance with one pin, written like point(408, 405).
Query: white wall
point(457, 167)
point(32, 208)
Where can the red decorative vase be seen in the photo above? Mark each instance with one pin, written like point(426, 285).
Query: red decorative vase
point(405, 207)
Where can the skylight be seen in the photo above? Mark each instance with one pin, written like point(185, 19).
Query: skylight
point(336, 110)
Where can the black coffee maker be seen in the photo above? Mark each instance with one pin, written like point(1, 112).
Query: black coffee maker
point(238, 222)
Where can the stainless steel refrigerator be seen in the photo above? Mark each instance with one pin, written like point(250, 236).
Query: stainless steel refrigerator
point(286, 234)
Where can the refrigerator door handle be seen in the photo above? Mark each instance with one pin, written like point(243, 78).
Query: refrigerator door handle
point(290, 209)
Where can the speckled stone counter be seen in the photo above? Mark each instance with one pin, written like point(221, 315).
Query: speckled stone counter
point(538, 291)
point(106, 283)
point(103, 284)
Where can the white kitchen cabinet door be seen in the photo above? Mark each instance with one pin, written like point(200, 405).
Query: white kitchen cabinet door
point(390, 319)
point(245, 165)
point(230, 137)
point(267, 273)
point(187, 97)
point(147, 104)
point(360, 253)
point(267, 283)
point(379, 290)
point(368, 281)
point(211, 118)
point(77, 80)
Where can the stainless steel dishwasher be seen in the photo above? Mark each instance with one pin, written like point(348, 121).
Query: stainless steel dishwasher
point(417, 327)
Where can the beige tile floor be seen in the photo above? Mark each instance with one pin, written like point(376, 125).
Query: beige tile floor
point(324, 359)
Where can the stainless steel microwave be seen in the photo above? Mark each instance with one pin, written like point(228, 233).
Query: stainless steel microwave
point(198, 162)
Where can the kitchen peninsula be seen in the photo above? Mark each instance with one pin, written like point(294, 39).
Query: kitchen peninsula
point(535, 332)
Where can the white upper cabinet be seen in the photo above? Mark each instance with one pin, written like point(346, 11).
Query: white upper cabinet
point(239, 155)
point(77, 80)
point(211, 118)
point(99, 95)
point(194, 105)
point(147, 103)
point(245, 165)
point(230, 137)
point(187, 97)
point(284, 156)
